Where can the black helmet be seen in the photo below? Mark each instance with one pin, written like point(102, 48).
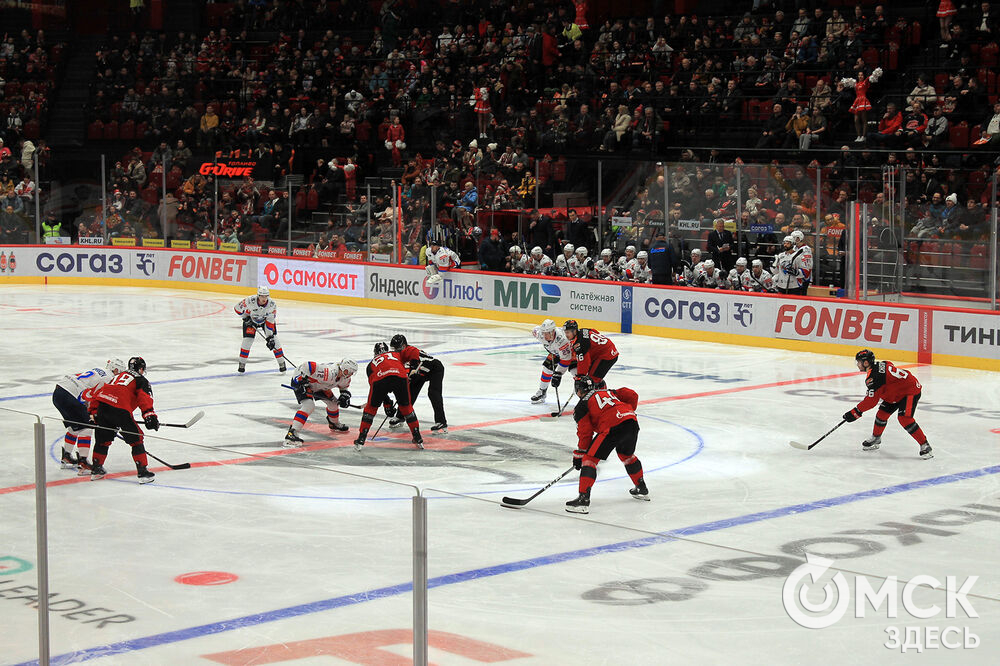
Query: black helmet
point(571, 325)
point(137, 365)
point(865, 355)
point(381, 348)
point(584, 385)
point(398, 342)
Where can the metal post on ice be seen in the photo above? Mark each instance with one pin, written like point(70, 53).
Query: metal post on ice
point(41, 545)
point(419, 580)
point(368, 221)
point(215, 210)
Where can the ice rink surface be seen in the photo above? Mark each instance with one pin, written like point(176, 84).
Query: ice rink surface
point(262, 554)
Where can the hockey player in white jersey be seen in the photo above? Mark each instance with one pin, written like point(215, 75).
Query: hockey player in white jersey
point(786, 273)
point(564, 259)
point(440, 259)
point(626, 259)
point(559, 359)
point(639, 270)
point(802, 261)
point(605, 268)
point(516, 261)
point(316, 381)
point(709, 277)
point(261, 312)
point(692, 267)
point(68, 398)
point(580, 265)
point(738, 275)
point(757, 279)
point(538, 263)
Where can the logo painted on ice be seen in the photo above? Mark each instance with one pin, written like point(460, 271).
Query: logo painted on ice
point(145, 262)
point(815, 615)
point(744, 313)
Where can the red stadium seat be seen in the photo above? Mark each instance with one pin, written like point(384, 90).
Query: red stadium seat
point(958, 135)
point(312, 199)
point(95, 131)
point(111, 130)
point(31, 129)
point(127, 130)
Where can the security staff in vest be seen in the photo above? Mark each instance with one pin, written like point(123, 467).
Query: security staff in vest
point(661, 258)
point(51, 226)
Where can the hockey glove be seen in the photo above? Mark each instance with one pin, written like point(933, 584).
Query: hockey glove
point(345, 399)
point(270, 343)
point(852, 416)
point(578, 459)
point(390, 409)
point(556, 380)
point(152, 422)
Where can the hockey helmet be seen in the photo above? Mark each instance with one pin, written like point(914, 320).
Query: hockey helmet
point(741, 261)
point(137, 365)
point(515, 250)
point(605, 253)
point(584, 386)
point(381, 348)
point(397, 342)
point(709, 265)
point(263, 291)
point(582, 251)
point(642, 255)
point(548, 326)
point(797, 236)
point(569, 247)
point(536, 251)
point(116, 365)
point(788, 239)
point(695, 252)
point(571, 325)
point(348, 366)
point(865, 355)
point(630, 248)
point(756, 263)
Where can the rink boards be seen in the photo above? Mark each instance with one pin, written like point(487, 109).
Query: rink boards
point(945, 336)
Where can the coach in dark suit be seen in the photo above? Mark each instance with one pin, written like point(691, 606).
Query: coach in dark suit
point(721, 244)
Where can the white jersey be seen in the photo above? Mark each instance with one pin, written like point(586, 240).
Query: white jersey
point(444, 259)
point(560, 347)
point(785, 271)
point(540, 266)
point(322, 376)
point(623, 262)
point(691, 271)
point(519, 265)
point(563, 264)
point(736, 279)
point(803, 263)
point(77, 384)
point(259, 314)
point(762, 282)
point(706, 280)
point(606, 270)
point(640, 273)
point(578, 268)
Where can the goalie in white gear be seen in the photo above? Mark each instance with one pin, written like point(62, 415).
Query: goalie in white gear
point(709, 277)
point(639, 270)
point(564, 259)
point(559, 359)
point(538, 263)
point(516, 261)
point(259, 311)
point(757, 279)
point(606, 268)
point(440, 259)
point(738, 275)
point(68, 397)
point(316, 381)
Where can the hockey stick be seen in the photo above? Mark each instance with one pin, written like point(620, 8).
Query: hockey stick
point(514, 503)
point(194, 419)
point(382, 424)
point(555, 415)
point(161, 460)
point(804, 447)
point(349, 405)
point(283, 357)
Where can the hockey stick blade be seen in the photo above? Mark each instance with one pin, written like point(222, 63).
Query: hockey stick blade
point(799, 445)
point(514, 503)
point(194, 419)
point(803, 447)
point(161, 460)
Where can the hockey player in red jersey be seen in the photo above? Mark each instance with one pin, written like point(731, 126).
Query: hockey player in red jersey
point(594, 353)
point(605, 422)
point(423, 368)
point(898, 390)
point(114, 403)
point(387, 374)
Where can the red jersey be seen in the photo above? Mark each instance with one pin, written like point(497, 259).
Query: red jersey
point(602, 411)
point(385, 365)
point(127, 391)
point(589, 347)
point(412, 357)
point(889, 383)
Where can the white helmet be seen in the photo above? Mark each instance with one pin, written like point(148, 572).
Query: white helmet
point(348, 366)
point(630, 248)
point(741, 261)
point(582, 251)
point(709, 265)
point(568, 247)
point(642, 255)
point(536, 251)
point(757, 263)
point(515, 249)
point(788, 239)
point(116, 365)
point(548, 326)
point(263, 291)
point(605, 252)
point(695, 251)
point(797, 236)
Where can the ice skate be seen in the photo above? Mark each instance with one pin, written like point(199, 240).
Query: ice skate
point(580, 505)
point(439, 427)
point(926, 452)
point(68, 461)
point(337, 427)
point(84, 467)
point(640, 492)
point(872, 443)
point(292, 439)
point(242, 368)
point(145, 476)
point(539, 396)
point(417, 439)
point(395, 421)
point(97, 472)
point(359, 443)
point(281, 366)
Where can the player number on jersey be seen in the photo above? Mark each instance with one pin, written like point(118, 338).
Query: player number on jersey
point(606, 400)
point(124, 379)
point(598, 339)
